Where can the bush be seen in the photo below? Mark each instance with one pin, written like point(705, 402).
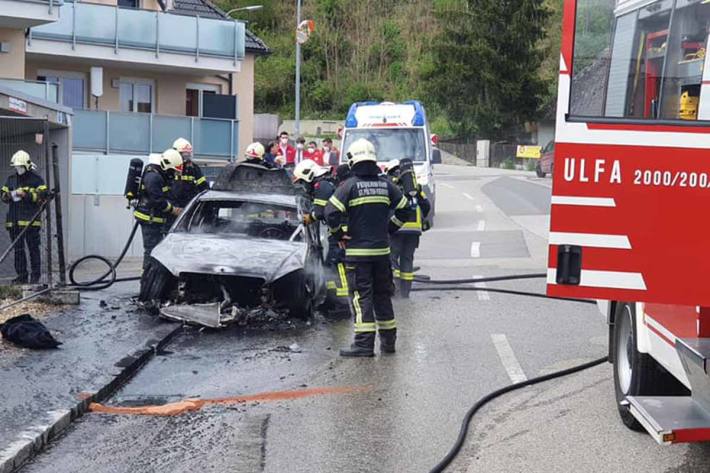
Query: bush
point(508, 164)
point(530, 164)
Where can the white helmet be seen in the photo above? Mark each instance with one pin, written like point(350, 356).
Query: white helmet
point(307, 170)
point(171, 159)
point(360, 151)
point(182, 146)
point(22, 158)
point(255, 150)
point(391, 166)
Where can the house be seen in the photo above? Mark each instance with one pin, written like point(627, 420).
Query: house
point(128, 77)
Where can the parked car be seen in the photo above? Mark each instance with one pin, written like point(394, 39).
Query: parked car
point(239, 246)
point(546, 162)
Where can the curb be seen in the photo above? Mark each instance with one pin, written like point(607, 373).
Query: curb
point(34, 439)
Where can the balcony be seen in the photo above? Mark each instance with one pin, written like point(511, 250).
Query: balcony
point(144, 133)
point(21, 14)
point(37, 89)
point(143, 38)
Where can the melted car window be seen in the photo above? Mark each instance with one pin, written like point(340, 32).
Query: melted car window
point(242, 218)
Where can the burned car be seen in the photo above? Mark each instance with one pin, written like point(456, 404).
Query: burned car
point(236, 247)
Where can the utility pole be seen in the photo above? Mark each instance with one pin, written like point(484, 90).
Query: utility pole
point(298, 72)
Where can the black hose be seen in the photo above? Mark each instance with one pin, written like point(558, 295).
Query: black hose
point(102, 282)
point(504, 291)
point(512, 277)
point(446, 461)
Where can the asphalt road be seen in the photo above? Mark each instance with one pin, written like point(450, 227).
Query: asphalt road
point(304, 409)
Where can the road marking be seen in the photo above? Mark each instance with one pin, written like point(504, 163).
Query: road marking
point(476, 249)
point(592, 240)
point(481, 226)
point(482, 295)
point(507, 357)
point(448, 186)
point(468, 196)
point(479, 208)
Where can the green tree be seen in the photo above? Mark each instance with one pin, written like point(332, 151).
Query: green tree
point(487, 59)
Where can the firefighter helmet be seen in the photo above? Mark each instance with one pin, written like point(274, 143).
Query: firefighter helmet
point(307, 170)
point(171, 160)
point(361, 151)
point(181, 145)
point(255, 151)
point(391, 167)
point(21, 158)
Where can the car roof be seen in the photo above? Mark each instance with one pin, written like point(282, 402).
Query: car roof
point(275, 199)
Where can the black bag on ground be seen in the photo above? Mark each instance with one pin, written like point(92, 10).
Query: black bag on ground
point(28, 332)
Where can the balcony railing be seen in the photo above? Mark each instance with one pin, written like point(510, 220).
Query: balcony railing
point(41, 90)
point(143, 133)
point(146, 30)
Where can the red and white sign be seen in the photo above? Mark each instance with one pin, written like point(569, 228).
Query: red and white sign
point(17, 105)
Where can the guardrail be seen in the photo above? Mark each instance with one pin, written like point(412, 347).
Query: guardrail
point(147, 30)
point(40, 89)
point(143, 133)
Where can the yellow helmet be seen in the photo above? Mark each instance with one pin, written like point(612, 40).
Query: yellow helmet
point(181, 145)
point(171, 159)
point(361, 151)
point(255, 150)
point(22, 158)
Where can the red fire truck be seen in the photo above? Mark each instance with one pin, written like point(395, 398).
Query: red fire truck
point(630, 218)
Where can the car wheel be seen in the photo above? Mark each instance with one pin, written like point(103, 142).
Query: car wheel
point(156, 284)
point(539, 171)
point(636, 373)
point(302, 305)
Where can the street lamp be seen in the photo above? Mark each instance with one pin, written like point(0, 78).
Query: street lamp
point(249, 8)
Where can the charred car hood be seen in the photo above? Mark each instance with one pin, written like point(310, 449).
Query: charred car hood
point(229, 255)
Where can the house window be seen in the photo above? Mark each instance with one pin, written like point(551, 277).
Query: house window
point(72, 87)
point(129, 3)
point(136, 95)
point(195, 96)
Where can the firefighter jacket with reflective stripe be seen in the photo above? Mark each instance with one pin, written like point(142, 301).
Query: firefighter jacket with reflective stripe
point(322, 191)
point(415, 214)
point(187, 185)
point(21, 211)
point(366, 200)
point(153, 205)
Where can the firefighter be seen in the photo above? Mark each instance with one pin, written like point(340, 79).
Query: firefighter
point(24, 192)
point(154, 208)
point(319, 186)
point(366, 200)
point(254, 154)
point(191, 182)
point(406, 240)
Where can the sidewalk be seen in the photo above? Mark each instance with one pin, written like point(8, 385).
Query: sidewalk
point(105, 341)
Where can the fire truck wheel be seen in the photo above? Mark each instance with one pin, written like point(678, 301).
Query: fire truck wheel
point(635, 373)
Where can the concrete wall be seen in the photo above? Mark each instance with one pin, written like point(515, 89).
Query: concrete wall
point(312, 127)
point(545, 133)
point(12, 64)
point(243, 86)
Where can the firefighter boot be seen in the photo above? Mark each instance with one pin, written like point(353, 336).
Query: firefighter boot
point(387, 341)
point(362, 347)
point(404, 288)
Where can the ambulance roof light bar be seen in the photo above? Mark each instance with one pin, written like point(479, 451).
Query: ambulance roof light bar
point(419, 113)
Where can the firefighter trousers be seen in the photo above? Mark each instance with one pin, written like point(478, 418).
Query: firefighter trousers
point(31, 239)
point(152, 235)
point(338, 298)
point(371, 290)
point(403, 247)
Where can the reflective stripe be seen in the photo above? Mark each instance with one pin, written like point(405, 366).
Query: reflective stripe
point(331, 285)
point(201, 180)
point(23, 223)
point(373, 199)
point(386, 324)
point(406, 276)
point(337, 204)
point(360, 326)
point(5, 189)
point(367, 251)
point(415, 225)
point(402, 203)
point(344, 289)
point(396, 221)
point(166, 188)
point(365, 328)
point(148, 218)
point(396, 273)
point(320, 202)
point(185, 178)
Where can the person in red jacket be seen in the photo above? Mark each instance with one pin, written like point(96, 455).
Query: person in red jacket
point(313, 153)
point(286, 151)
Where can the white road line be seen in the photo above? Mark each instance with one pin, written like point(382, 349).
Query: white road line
point(507, 357)
point(591, 240)
point(476, 249)
point(448, 186)
point(482, 295)
point(479, 208)
point(468, 196)
point(481, 226)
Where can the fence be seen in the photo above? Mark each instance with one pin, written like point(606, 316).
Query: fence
point(462, 149)
point(37, 254)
